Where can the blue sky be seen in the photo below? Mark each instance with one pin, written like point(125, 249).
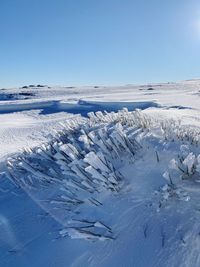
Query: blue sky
point(83, 42)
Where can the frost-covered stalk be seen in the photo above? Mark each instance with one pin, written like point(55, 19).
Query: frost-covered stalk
point(188, 165)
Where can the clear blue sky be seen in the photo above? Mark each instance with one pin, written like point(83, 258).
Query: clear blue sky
point(79, 42)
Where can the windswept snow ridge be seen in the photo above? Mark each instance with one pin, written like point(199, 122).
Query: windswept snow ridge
point(81, 106)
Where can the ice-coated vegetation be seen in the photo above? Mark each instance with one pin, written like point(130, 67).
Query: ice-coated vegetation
point(89, 162)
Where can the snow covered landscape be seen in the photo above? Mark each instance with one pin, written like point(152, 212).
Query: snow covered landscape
point(100, 176)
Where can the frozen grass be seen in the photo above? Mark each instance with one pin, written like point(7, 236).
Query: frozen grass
point(88, 161)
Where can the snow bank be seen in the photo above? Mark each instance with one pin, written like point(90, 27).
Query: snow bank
point(81, 107)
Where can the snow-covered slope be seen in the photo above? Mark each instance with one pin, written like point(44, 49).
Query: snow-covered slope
point(114, 188)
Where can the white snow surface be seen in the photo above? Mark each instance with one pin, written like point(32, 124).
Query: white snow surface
point(118, 189)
